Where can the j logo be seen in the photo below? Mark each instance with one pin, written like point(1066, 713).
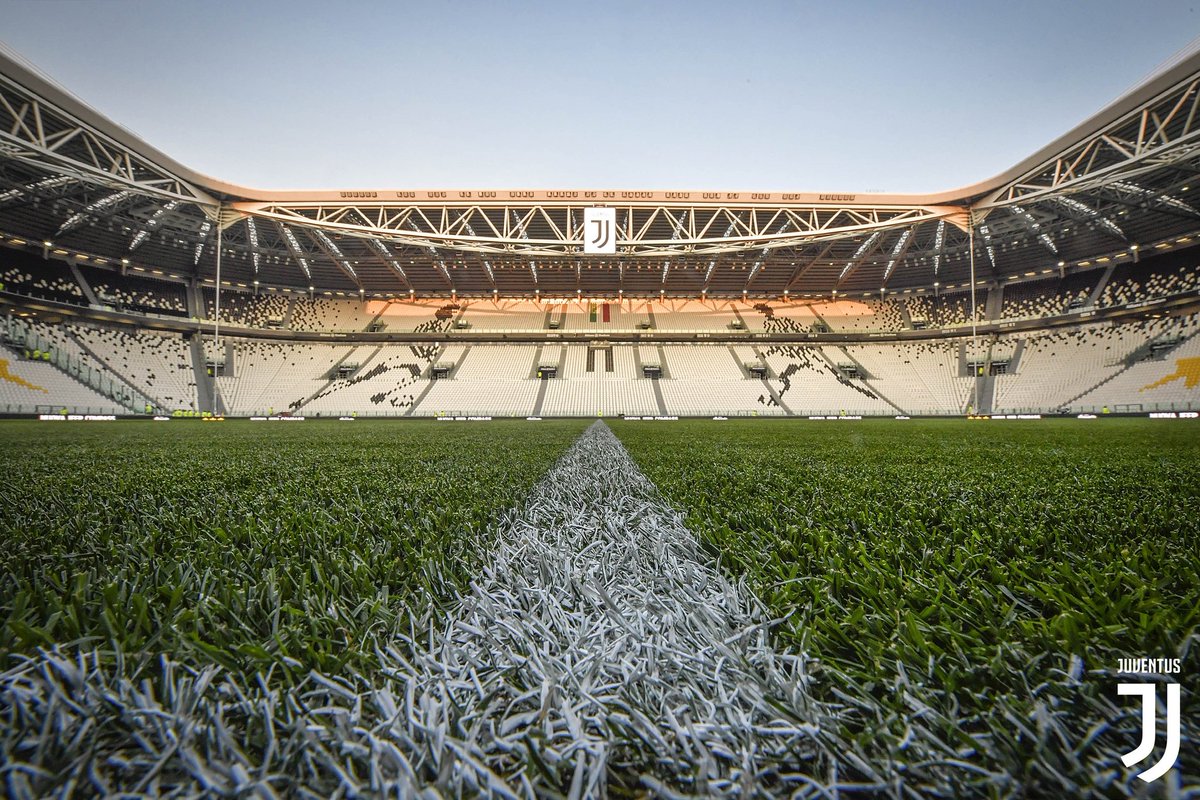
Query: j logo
point(599, 230)
point(1146, 690)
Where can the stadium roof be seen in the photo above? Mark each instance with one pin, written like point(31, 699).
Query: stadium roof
point(73, 183)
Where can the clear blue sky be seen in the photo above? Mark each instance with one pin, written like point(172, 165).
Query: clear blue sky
point(841, 96)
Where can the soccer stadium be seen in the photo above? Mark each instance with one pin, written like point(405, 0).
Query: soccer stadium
point(595, 492)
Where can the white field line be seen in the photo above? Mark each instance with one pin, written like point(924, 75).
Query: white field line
point(601, 637)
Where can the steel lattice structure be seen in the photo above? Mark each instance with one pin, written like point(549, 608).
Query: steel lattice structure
point(77, 185)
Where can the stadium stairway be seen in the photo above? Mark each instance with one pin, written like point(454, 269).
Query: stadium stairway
point(994, 303)
point(905, 315)
point(861, 371)
point(986, 391)
point(383, 310)
point(204, 381)
point(461, 358)
point(658, 397)
point(287, 315)
point(1096, 292)
point(665, 370)
point(775, 395)
point(1014, 361)
point(195, 303)
point(742, 367)
point(83, 284)
point(541, 398)
point(429, 382)
point(537, 362)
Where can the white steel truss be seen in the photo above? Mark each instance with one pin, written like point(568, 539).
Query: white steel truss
point(1163, 131)
point(545, 229)
point(34, 131)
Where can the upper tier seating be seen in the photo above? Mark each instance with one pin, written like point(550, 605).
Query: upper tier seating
point(1050, 296)
point(946, 310)
point(504, 315)
point(331, 314)
point(683, 315)
point(137, 293)
point(51, 280)
point(1131, 283)
point(239, 308)
point(852, 316)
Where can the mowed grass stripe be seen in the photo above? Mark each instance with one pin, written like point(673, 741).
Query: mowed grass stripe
point(972, 583)
point(295, 546)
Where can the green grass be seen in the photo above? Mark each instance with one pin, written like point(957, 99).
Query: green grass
point(250, 545)
point(967, 585)
point(960, 563)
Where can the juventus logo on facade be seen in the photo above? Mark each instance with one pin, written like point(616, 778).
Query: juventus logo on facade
point(1143, 750)
point(600, 231)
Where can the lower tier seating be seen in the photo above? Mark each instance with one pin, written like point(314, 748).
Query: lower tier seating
point(1152, 364)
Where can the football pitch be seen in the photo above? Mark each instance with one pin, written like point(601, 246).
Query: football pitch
point(751, 607)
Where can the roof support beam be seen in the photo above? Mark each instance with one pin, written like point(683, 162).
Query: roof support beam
point(691, 227)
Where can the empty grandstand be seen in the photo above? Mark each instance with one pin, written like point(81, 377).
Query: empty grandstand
point(1044, 290)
